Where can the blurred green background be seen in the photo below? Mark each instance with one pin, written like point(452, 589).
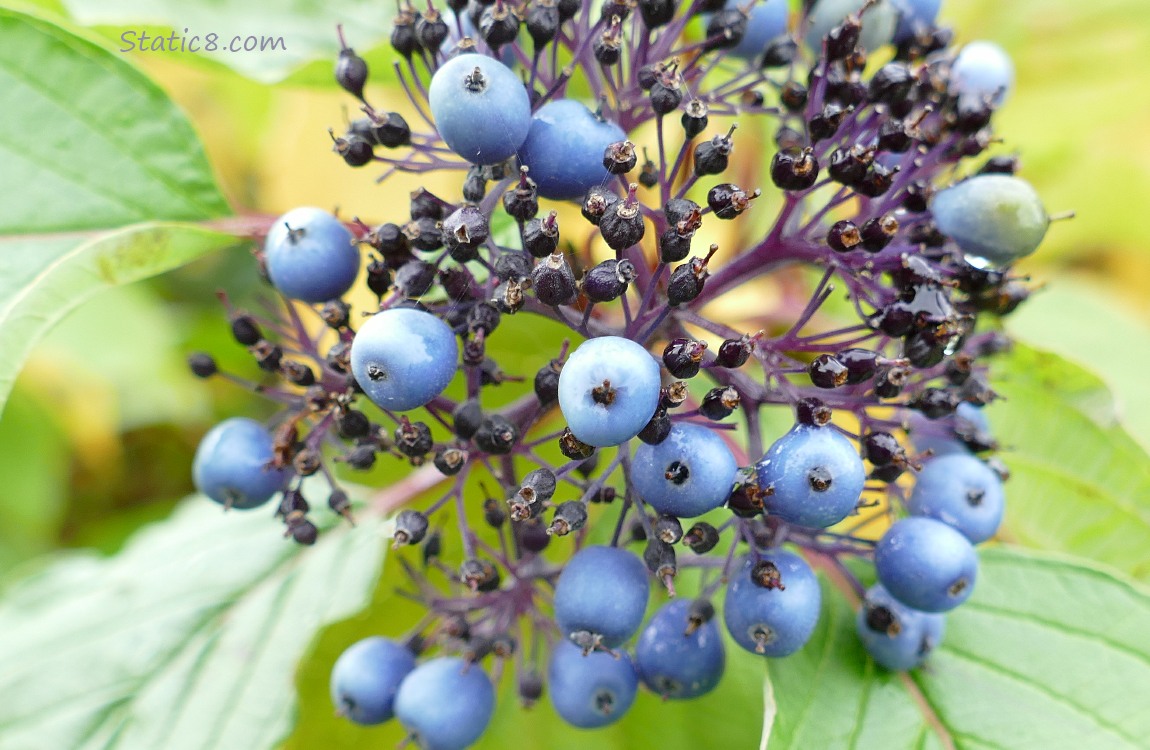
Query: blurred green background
point(100, 428)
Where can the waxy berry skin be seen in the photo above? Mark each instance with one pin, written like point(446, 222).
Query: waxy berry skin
point(581, 603)
point(446, 703)
point(687, 474)
point(995, 219)
point(773, 621)
point(896, 636)
point(982, 72)
point(767, 20)
point(310, 255)
point(815, 476)
point(483, 118)
point(366, 677)
point(961, 491)
point(914, 18)
point(403, 358)
point(564, 149)
point(608, 390)
point(593, 690)
point(878, 24)
point(675, 664)
point(234, 465)
point(926, 564)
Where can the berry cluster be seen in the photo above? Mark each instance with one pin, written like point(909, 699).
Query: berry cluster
point(600, 118)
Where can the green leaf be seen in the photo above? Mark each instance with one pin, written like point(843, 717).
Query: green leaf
point(43, 280)
point(187, 639)
point(1086, 323)
point(34, 498)
point(306, 28)
point(87, 141)
point(1080, 484)
point(1049, 653)
point(88, 144)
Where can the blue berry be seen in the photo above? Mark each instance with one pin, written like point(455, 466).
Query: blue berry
point(564, 149)
point(962, 491)
point(445, 703)
point(585, 612)
point(995, 219)
point(310, 255)
point(766, 21)
point(366, 677)
point(778, 620)
point(679, 658)
point(593, 690)
point(982, 71)
point(233, 465)
point(686, 475)
point(878, 22)
point(974, 415)
point(926, 564)
point(896, 636)
point(815, 476)
point(608, 390)
point(914, 17)
point(403, 358)
point(480, 108)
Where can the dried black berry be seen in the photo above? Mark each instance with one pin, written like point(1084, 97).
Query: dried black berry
point(813, 412)
point(414, 278)
point(826, 371)
point(712, 157)
point(569, 516)
point(356, 151)
point(656, 13)
point(547, 382)
point(202, 365)
point(351, 72)
point(826, 123)
point(496, 435)
point(701, 538)
point(608, 280)
point(622, 225)
point(413, 439)
point(686, 282)
point(794, 96)
point(541, 236)
point(843, 236)
point(620, 158)
point(728, 200)
point(877, 233)
point(694, 119)
point(596, 204)
point(719, 403)
point(683, 357)
point(245, 330)
point(297, 373)
point(574, 448)
point(410, 527)
point(522, 202)
point(553, 280)
point(450, 461)
point(735, 352)
point(391, 131)
point(794, 170)
point(779, 52)
point(890, 83)
point(542, 22)
point(656, 430)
